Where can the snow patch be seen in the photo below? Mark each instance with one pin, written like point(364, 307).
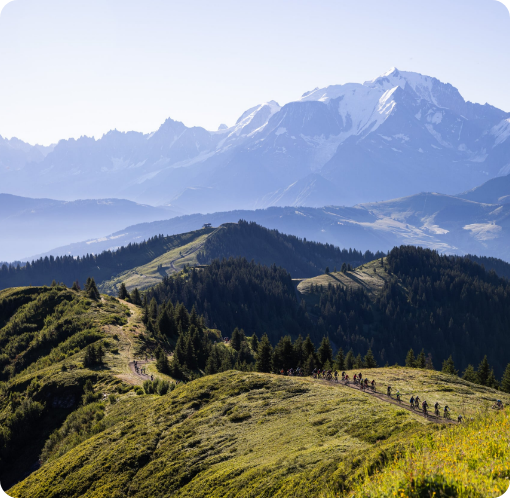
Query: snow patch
point(281, 131)
point(501, 131)
point(484, 231)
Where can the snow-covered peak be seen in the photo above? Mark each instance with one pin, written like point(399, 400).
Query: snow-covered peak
point(254, 119)
point(501, 132)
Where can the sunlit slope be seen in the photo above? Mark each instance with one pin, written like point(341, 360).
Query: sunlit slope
point(182, 252)
point(241, 434)
point(370, 277)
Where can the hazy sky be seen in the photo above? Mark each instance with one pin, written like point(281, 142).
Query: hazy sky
point(82, 67)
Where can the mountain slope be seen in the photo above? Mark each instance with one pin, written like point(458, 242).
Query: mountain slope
point(263, 434)
point(396, 135)
point(30, 226)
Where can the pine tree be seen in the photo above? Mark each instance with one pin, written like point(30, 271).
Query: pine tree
point(91, 289)
point(470, 374)
point(255, 342)
point(123, 293)
point(90, 356)
point(349, 360)
point(340, 360)
point(53, 283)
point(358, 362)
point(370, 360)
point(421, 362)
point(166, 324)
point(410, 359)
point(308, 347)
point(235, 340)
point(162, 363)
point(135, 297)
point(265, 351)
point(76, 286)
point(505, 381)
point(344, 268)
point(325, 352)
point(310, 365)
point(429, 365)
point(492, 381)
point(483, 372)
point(99, 354)
point(327, 270)
point(449, 367)
point(299, 358)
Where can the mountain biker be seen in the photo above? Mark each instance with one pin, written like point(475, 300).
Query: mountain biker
point(355, 378)
point(412, 402)
point(499, 404)
point(436, 409)
point(459, 419)
point(389, 391)
point(366, 382)
point(446, 411)
point(336, 376)
point(343, 375)
point(398, 395)
point(373, 385)
point(314, 373)
point(417, 402)
point(424, 406)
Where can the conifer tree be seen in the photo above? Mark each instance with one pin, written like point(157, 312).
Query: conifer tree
point(344, 268)
point(483, 372)
point(76, 286)
point(470, 374)
point(349, 360)
point(91, 289)
point(310, 365)
point(123, 293)
point(410, 359)
point(308, 347)
point(135, 297)
point(265, 351)
point(99, 354)
point(505, 381)
point(358, 362)
point(370, 360)
point(449, 367)
point(421, 362)
point(255, 343)
point(492, 381)
point(162, 363)
point(235, 340)
point(325, 352)
point(327, 270)
point(340, 360)
point(299, 358)
point(429, 365)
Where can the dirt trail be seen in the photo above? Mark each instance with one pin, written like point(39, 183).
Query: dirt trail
point(140, 363)
point(387, 399)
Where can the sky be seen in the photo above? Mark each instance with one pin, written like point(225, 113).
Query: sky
point(84, 67)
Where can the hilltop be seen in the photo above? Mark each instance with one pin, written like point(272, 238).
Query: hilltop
point(267, 435)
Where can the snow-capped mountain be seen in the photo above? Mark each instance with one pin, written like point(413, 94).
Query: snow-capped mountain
point(394, 136)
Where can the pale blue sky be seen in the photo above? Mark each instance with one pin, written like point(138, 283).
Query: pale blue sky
point(82, 67)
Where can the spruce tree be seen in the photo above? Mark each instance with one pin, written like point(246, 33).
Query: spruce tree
point(91, 289)
point(135, 297)
point(122, 294)
point(99, 354)
point(76, 286)
point(255, 343)
point(429, 365)
point(235, 340)
point(505, 381)
point(340, 360)
point(492, 381)
point(358, 362)
point(470, 374)
point(349, 360)
point(421, 362)
point(370, 360)
point(483, 372)
point(410, 359)
point(449, 367)
point(299, 358)
point(325, 352)
point(310, 365)
point(308, 347)
point(162, 363)
point(265, 351)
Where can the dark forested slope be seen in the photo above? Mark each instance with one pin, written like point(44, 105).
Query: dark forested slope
point(300, 257)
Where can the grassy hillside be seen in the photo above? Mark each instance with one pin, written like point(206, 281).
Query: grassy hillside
point(101, 267)
point(247, 434)
point(168, 263)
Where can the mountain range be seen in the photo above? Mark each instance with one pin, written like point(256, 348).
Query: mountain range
point(397, 135)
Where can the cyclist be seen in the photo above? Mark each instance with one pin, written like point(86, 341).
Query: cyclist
point(343, 375)
point(314, 373)
point(412, 402)
point(446, 412)
point(366, 383)
point(424, 406)
point(336, 376)
point(436, 409)
point(398, 395)
point(389, 391)
point(499, 404)
point(459, 419)
point(373, 385)
point(417, 402)
point(355, 378)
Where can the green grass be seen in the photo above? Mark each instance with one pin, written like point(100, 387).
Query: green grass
point(183, 252)
point(361, 277)
point(245, 434)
